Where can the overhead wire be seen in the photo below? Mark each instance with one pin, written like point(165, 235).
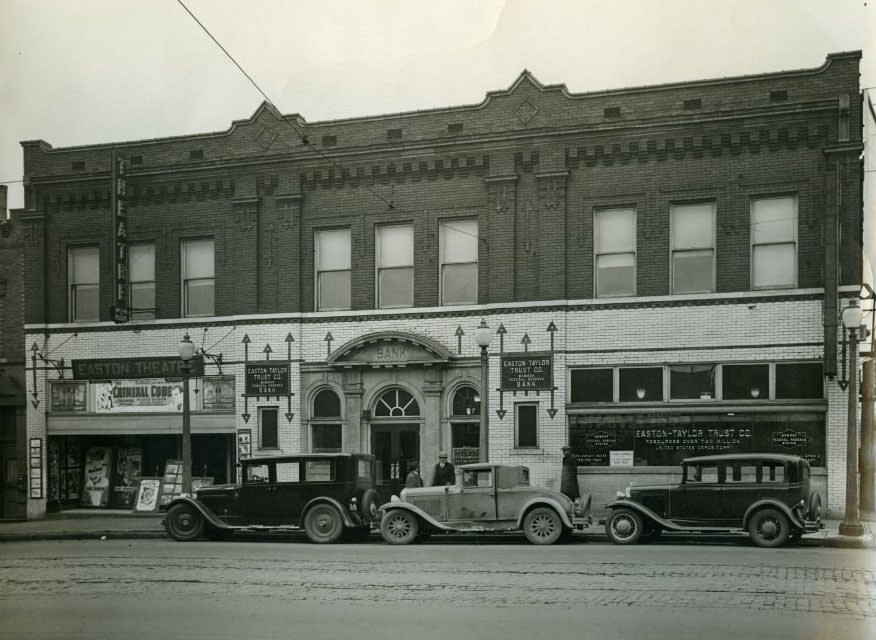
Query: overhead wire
point(302, 136)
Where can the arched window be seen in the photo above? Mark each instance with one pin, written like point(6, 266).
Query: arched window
point(465, 430)
point(466, 402)
point(396, 403)
point(327, 433)
point(326, 404)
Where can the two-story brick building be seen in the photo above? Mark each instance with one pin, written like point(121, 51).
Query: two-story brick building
point(662, 269)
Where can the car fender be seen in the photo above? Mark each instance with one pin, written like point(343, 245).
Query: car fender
point(543, 502)
point(774, 504)
point(208, 514)
point(345, 514)
point(645, 511)
point(407, 506)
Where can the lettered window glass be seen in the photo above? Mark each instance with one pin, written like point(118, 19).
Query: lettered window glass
point(693, 247)
point(332, 269)
point(395, 266)
point(527, 426)
point(774, 243)
point(459, 262)
point(288, 471)
point(268, 427)
point(615, 247)
point(198, 277)
point(141, 281)
point(83, 271)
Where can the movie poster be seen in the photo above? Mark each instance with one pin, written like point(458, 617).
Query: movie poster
point(97, 476)
point(127, 471)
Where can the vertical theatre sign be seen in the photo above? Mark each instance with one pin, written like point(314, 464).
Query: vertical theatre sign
point(120, 223)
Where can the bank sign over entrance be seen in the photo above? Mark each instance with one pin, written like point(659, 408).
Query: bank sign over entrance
point(527, 372)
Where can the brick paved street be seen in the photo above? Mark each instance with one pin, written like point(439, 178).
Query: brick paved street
point(659, 584)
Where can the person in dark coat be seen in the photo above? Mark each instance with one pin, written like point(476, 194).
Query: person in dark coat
point(569, 477)
point(444, 473)
point(413, 479)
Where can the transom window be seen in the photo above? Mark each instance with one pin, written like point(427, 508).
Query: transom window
point(332, 269)
point(459, 262)
point(615, 248)
point(395, 266)
point(693, 247)
point(396, 403)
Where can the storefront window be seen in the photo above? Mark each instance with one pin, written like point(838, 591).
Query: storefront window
point(641, 384)
point(799, 380)
point(745, 381)
point(692, 382)
point(326, 438)
point(591, 385)
point(466, 402)
point(326, 404)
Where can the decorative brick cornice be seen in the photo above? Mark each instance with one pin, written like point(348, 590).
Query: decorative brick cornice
point(332, 177)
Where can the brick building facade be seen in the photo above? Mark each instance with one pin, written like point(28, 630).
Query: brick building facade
point(662, 268)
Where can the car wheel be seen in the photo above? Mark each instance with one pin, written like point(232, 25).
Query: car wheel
point(542, 525)
point(769, 528)
point(814, 512)
point(370, 504)
point(184, 523)
point(323, 524)
point(399, 527)
point(624, 526)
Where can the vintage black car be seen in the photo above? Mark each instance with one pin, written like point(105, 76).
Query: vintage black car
point(486, 497)
point(767, 495)
point(329, 495)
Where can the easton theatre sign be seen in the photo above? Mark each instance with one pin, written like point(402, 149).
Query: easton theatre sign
point(134, 368)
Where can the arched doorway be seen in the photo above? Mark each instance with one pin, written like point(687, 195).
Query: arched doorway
point(395, 439)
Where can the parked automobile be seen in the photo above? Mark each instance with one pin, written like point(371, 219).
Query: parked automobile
point(767, 495)
point(486, 497)
point(329, 495)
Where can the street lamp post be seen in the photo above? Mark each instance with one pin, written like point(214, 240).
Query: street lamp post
point(483, 336)
point(186, 353)
point(851, 525)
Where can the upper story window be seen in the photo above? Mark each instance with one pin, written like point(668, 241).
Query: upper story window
point(83, 275)
point(774, 242)
point(693, 247)
point(395, 266)
point(198, 279)
point(615, 249)
point(332, 269)
point(459, 262)
point(141, 280)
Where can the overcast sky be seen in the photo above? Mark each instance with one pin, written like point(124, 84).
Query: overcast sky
point(92, 71)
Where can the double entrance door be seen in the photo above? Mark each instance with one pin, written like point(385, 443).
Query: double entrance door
point(395, 448)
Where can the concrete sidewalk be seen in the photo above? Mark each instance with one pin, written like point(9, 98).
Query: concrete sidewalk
point(89, 524)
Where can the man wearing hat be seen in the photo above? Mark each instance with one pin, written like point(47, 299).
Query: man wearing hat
point(569, 477)
point(444, 473)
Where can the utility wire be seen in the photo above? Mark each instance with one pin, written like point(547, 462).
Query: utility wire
point(300, 135)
